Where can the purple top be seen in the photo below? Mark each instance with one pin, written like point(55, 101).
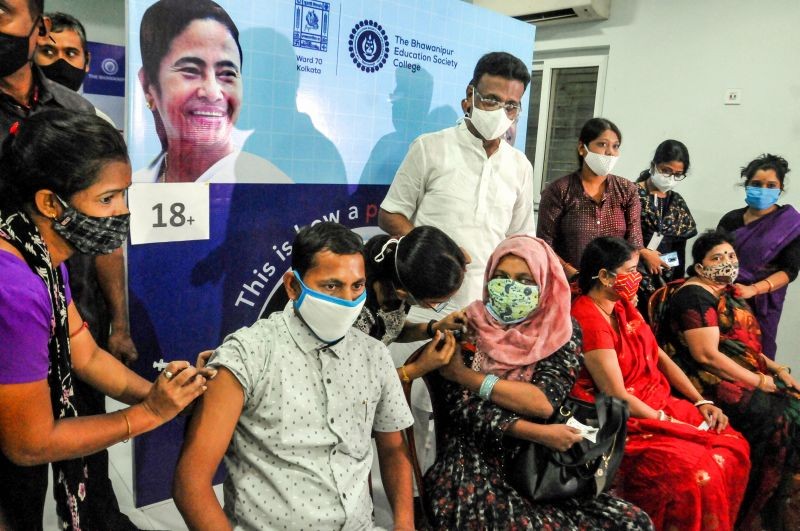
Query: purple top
point(26, 317)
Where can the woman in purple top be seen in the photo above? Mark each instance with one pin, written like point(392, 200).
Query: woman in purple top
point(63, 177)
point(767, 243)
point(591, 202)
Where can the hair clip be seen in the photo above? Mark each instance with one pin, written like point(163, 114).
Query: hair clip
point(14, 128)
point(385, 249)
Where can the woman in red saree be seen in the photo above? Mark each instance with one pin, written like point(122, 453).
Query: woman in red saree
point(683, 465)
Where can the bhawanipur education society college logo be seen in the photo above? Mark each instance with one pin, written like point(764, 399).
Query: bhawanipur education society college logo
point(369, 46)
point(109, 66)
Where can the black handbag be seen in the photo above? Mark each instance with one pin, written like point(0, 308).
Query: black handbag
point(586, 469)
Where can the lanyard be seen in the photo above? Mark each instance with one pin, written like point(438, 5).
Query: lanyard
point(661, 211)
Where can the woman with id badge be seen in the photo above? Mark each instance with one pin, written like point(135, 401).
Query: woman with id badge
point(667, 222)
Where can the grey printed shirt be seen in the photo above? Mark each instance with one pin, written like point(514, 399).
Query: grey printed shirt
point(301, 451)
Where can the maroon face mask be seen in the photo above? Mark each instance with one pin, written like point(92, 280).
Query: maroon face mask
point(627, 284)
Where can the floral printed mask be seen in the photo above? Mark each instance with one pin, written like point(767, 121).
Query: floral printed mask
point(510, 301)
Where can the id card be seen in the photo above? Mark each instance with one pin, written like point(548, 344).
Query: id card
point(655, 241)
point(671, 259)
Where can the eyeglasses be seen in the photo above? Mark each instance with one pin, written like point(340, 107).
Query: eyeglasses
point(492, 104)
point(669, 173)
point(438, 307)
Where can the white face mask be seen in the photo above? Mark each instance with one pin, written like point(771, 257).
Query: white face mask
point(662, 181)
point(489, 124)
point(600, 164)
point(328, 317)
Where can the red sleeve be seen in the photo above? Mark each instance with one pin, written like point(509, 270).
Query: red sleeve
point(693, 307)
point(597, 333)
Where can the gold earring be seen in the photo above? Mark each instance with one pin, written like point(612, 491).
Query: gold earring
point(150, 105)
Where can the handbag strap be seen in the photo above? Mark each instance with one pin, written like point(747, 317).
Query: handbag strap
point(611, 418)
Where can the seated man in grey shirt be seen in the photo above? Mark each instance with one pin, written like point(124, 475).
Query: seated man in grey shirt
point(294, 405)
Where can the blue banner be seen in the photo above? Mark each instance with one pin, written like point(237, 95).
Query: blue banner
point(106, 75)
point(328, 95)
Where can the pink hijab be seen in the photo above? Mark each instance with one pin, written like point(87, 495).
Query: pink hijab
point(511, 351)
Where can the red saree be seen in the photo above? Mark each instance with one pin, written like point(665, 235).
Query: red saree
point(684, 478)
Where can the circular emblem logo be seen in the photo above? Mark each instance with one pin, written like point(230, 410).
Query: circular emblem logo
point(109, 66)
point(369, 46)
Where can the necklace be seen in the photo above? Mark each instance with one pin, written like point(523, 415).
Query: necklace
point(609, 314)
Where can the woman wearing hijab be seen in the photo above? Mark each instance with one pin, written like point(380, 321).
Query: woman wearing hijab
point(527, 355)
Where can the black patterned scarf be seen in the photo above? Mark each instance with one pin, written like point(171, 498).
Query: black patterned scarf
point(69, 476)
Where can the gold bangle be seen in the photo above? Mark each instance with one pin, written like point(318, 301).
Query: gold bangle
point(762, 380)
point(128, 424)
point(782, 368)
point(405, 374)
point(770, 284)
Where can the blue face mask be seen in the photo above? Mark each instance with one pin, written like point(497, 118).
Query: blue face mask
point(761, 198)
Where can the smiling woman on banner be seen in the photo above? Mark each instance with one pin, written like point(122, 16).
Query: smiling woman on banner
point(62, 190)
point(192, 80)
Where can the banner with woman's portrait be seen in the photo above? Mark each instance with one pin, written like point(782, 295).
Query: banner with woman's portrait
point(268, 116)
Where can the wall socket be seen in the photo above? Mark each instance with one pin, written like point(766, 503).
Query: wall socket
point(733, 96)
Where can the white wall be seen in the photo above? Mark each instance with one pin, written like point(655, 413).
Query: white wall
point(104, 20)
point(670, 62)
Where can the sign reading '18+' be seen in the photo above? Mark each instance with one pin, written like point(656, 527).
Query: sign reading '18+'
point(168, 212)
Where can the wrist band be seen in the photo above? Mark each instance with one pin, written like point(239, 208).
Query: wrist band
point(703, 402)
point(128, 424)
point(782, 368)
point(405, 374)
point(429, 329)
point(487, 385)
point(662, 415)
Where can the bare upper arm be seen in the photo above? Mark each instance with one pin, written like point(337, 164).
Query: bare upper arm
point(211, 427)
point(603, 366)
point(703, 342)
point(26, 419)
point(389, 440)
point(81, 342)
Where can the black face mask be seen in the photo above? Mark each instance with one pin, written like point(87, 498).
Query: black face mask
point(89, 234)
point(65, 74)
point(14, 51)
